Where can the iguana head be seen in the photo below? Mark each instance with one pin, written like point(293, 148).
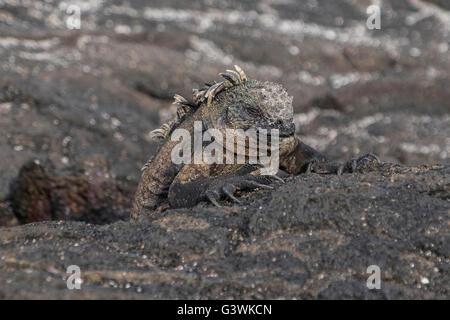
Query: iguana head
point(252, 104)
point(237, 102)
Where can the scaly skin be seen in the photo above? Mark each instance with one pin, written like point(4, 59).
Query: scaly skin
point(159, 173)
point(236, 103)
point(156, 179)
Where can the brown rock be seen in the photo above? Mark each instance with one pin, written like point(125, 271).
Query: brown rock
point(39, 195)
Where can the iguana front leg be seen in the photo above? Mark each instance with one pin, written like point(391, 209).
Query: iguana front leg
point(203, 188)
point(301, 158)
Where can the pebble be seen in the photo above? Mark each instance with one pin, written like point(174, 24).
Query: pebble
point(425, 280)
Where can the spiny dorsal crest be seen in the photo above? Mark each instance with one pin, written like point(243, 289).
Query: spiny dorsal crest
point(207, 93)
point(184, 108)
point(211, 89)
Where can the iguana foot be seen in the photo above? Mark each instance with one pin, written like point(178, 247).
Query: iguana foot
point(226, 186)
point(353, 165)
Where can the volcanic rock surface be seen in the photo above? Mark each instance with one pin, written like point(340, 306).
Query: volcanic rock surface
point(77, 106)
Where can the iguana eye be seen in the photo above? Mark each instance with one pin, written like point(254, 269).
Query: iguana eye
point(253, 111)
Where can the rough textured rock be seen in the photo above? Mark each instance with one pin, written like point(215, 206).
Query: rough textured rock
point(82, 103)
point(312, 237)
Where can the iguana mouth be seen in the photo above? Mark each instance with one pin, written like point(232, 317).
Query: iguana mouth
point(245, 144)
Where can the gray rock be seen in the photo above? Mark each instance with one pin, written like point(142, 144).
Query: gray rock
point(312, 237)
point(82, 103)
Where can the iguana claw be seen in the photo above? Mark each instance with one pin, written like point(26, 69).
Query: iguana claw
point(225, 186)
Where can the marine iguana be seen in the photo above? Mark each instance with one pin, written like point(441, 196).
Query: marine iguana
point(237, 102)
